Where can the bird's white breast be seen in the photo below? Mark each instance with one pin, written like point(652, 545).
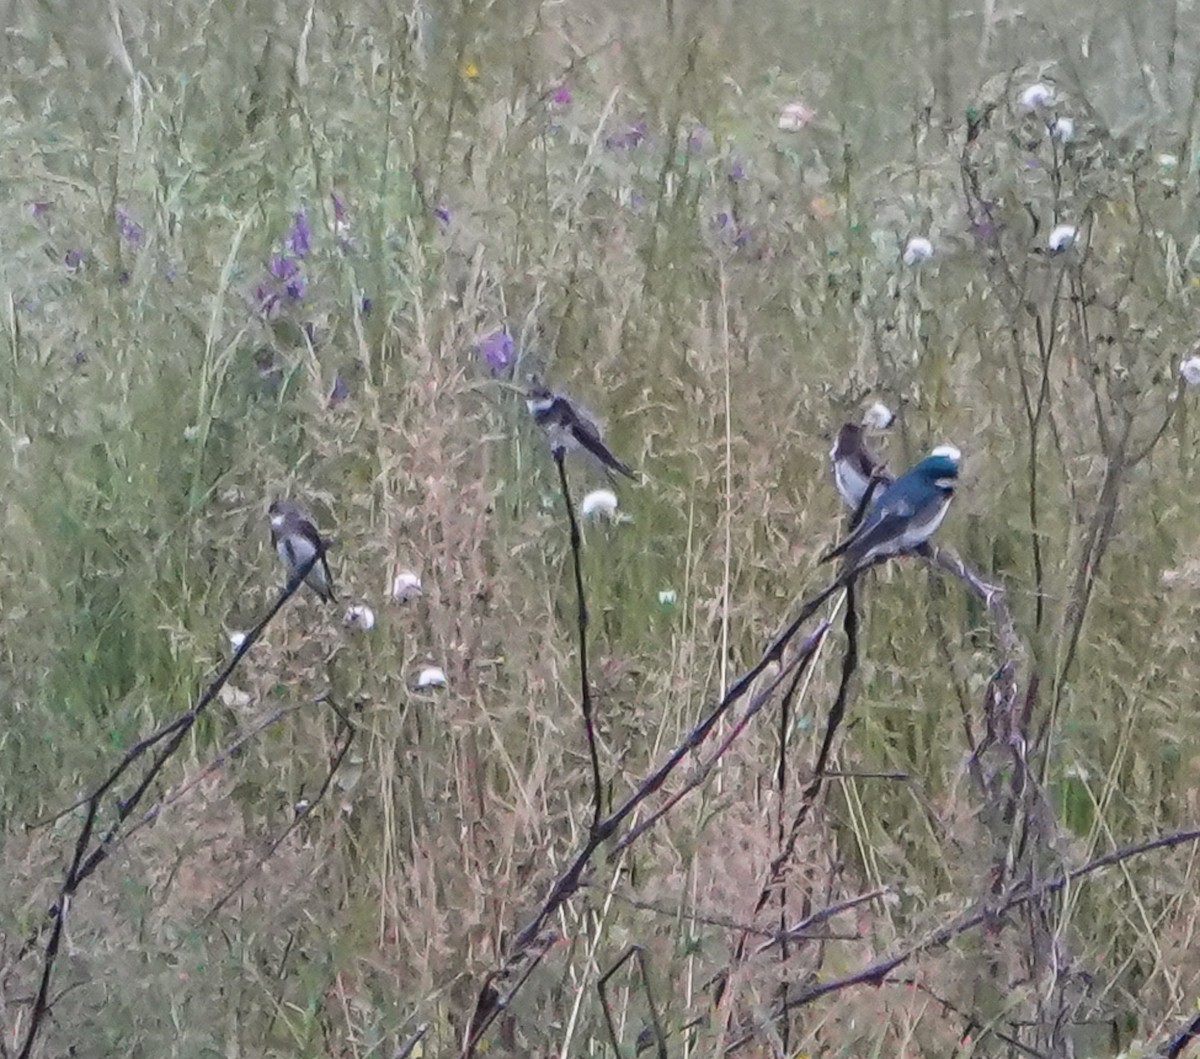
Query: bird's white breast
point(851, 483)
point(295, 550)
point(917, 532)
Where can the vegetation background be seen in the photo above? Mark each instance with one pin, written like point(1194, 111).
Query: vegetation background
point(252, 249)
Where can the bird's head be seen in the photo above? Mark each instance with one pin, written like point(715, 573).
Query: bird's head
point(538, 390)
point(849, 439)
point(280, 511)
point(940, 468)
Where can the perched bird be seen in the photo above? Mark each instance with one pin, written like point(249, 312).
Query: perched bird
point(855, 468)
point(906, 513)
point(296, 540)
point(568, 428)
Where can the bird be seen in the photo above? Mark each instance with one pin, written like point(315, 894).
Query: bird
point(906, 513)
point(568, 428)
point(297, 541)
point(855, 469)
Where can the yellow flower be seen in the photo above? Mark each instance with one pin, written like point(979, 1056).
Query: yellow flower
point(470, 69)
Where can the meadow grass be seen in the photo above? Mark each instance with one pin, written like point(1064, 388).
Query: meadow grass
point(608, 186)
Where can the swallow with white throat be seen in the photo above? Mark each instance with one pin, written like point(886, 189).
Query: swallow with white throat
point(906, 513)
point(568, 428)
point(297, 541)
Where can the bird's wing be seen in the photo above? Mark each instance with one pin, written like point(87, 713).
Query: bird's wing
point(587, 434)
point(304, 545)
point(321, 580)
point(328, 577)
point(311, 537)
point(883, 523)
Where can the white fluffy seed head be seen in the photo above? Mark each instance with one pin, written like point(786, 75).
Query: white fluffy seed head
point(795, 116)
point(431, 677)
point(599, 503)
point(1062, 237)
point(1037, 95)
point(878, 417)
point(667, 597)
point(405, 586)
point(236, 639)
point(917, 250)
point(1062, 130)
point(1189, 371)
point(360, 616)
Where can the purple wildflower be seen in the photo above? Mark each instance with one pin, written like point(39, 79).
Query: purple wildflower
point(73, 258)
point(129, 229)
point(266, 299)
point(497, 350)
point(443, 214)
point(364, 306)
point(36, 209)
point(737, 171)
point(561, 96)
point(339, 208)
point(628, 139)
point(730, 230)
point(983, 226)
point(299, 236)
point(338, 392)
point(288, 273)
point(698, 139)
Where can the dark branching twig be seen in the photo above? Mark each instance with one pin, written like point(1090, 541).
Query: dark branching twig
point(836, 715)
point(220, 759)
point(877, 972)
point(1009, 647)
point(802, 930)
point(346, 734)
point(973, 1022)
point(660, 1041)
point(781, 777)
point(488, 1004)
point(1174, 1045)
point(90, 852)
point(410, 1045)
point(585, 691)
point(796, 667)
point(726, 923)
point(838, 711)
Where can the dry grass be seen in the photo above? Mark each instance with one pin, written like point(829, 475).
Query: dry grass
point(142, 440)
